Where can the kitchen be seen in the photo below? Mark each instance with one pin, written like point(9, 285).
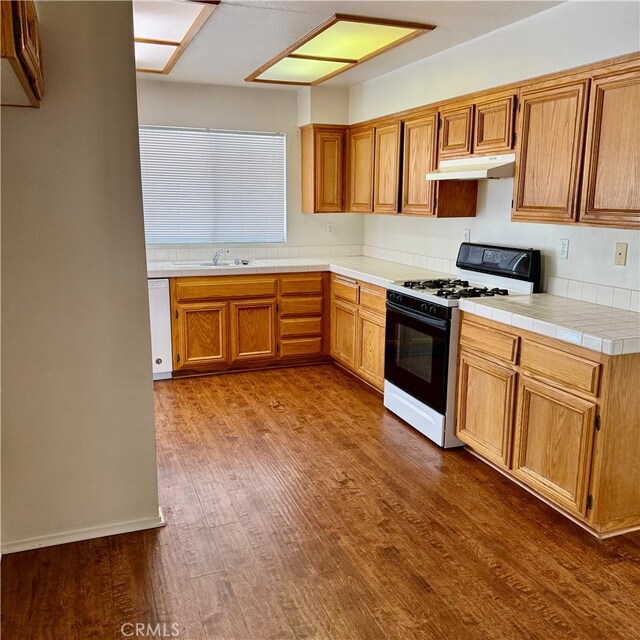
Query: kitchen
point(295, 468)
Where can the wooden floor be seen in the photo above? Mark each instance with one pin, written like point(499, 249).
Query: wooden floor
point(297, 507)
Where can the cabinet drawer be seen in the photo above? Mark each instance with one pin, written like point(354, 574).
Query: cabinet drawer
point(301, 284)
point(307, 306)
point(214, 287)
point(348, 290)
point(373, 298)
point(300, 327)
point(491, 341)
point(291, 347)
point(565, 369)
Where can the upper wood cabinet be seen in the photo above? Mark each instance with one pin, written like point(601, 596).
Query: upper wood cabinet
point(611, 178)
point(323, 168)
point(420, 157)
point(22, 76)
point(552, 123)
point(360, 162)
point(387, 168)
point(442, 199)
point(456, 135)
point(493, 131)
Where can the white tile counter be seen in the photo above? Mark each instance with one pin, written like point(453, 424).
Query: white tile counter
point(371, 270)
point(593, 326)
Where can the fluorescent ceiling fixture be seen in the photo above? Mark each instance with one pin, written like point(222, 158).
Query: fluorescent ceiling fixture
point(164, 28)
point(339, 43)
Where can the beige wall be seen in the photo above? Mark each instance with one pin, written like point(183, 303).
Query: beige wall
point(78, 448)
point(250, 109)
point(569, 35)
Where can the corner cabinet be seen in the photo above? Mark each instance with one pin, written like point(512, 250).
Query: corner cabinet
point(22, 75)
point(611, 178)
point(229, 323)
point(561, 420)
point(323, 167)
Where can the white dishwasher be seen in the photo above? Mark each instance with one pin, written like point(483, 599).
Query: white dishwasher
point(160, 315)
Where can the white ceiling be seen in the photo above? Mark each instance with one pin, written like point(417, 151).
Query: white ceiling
point(242, 35)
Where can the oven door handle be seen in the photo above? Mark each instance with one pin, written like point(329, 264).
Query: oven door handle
point(432, 322)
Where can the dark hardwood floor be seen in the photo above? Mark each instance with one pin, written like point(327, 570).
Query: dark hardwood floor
point(297, 507)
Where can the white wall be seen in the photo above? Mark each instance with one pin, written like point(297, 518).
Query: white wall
point(251, 109)
point(569, 35)
point(78, 446)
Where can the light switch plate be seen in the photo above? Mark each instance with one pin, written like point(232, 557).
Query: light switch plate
point(621, 254)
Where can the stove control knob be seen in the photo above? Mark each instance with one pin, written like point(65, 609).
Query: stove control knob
point(395, 297)
point(433, 309)
point(425, 307)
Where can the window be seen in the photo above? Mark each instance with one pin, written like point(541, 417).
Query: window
point(203, 186)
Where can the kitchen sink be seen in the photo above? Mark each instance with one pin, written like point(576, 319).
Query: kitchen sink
point(221, 263)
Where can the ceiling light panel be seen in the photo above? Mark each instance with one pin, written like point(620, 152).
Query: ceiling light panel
point(335, 46)
point(164, 19)
point(163, 29)
point(354, 40)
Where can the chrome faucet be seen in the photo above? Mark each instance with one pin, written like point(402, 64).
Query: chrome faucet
point(217, 254)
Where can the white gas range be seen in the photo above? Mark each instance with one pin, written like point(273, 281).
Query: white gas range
point(421, 345)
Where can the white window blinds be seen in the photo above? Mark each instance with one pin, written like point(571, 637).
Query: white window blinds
point(205, 186)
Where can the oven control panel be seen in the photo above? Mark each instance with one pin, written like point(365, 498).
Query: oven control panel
point(415, 304)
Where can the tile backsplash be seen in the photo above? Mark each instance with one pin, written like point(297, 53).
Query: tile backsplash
point(170, 253)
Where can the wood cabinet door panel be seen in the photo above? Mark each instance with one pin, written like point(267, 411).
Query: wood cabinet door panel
point(549, 153)
point(360, 160)
point(456, 134)
point(344, 323)
point(486, 393)
point(387, 168)
point(200, 335)
point(494, 122)
point(370, 352)
point(611, 191)
point(253, 333)
point(28, 44)
point(553, 443)
point(329, 165)
point(420, 157)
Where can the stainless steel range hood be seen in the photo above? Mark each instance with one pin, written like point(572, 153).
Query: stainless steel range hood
point(482, 168)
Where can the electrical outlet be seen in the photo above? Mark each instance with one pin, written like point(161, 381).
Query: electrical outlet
point(621, 254)
point(564, 249)
point(467, 235)
point(331, 229)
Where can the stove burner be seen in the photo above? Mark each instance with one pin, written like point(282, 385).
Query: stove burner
point(454, 289)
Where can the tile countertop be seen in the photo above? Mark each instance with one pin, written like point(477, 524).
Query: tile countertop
point(593, 326)
point(371, 270)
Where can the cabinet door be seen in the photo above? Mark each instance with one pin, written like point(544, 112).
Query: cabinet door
point(553, 443)
point(253, 330)
point(611, 191)
point(549, 153)
point(361, 145)
point(344, 323)
point(420, 157)
point(387, 168)
point(28, 43)
point(486, 396)
point(370, 348)
point(494, 121)
point(329, 169)
point(457, 129)
point(200, 334)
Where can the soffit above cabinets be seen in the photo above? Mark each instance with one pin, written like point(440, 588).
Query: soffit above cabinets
point(163, 29)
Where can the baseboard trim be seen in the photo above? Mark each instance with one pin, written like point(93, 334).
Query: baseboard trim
point(84, 534)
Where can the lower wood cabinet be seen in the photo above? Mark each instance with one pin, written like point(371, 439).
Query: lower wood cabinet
point(235, 322)
point(200, 335)
point(358, 328)
point(253, 330)
point(560, 419)
point(553, 443)
point(486, 392)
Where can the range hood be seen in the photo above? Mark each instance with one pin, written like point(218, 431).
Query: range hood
point(482, 168)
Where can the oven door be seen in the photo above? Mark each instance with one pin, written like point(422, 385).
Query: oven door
point(417, 354)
